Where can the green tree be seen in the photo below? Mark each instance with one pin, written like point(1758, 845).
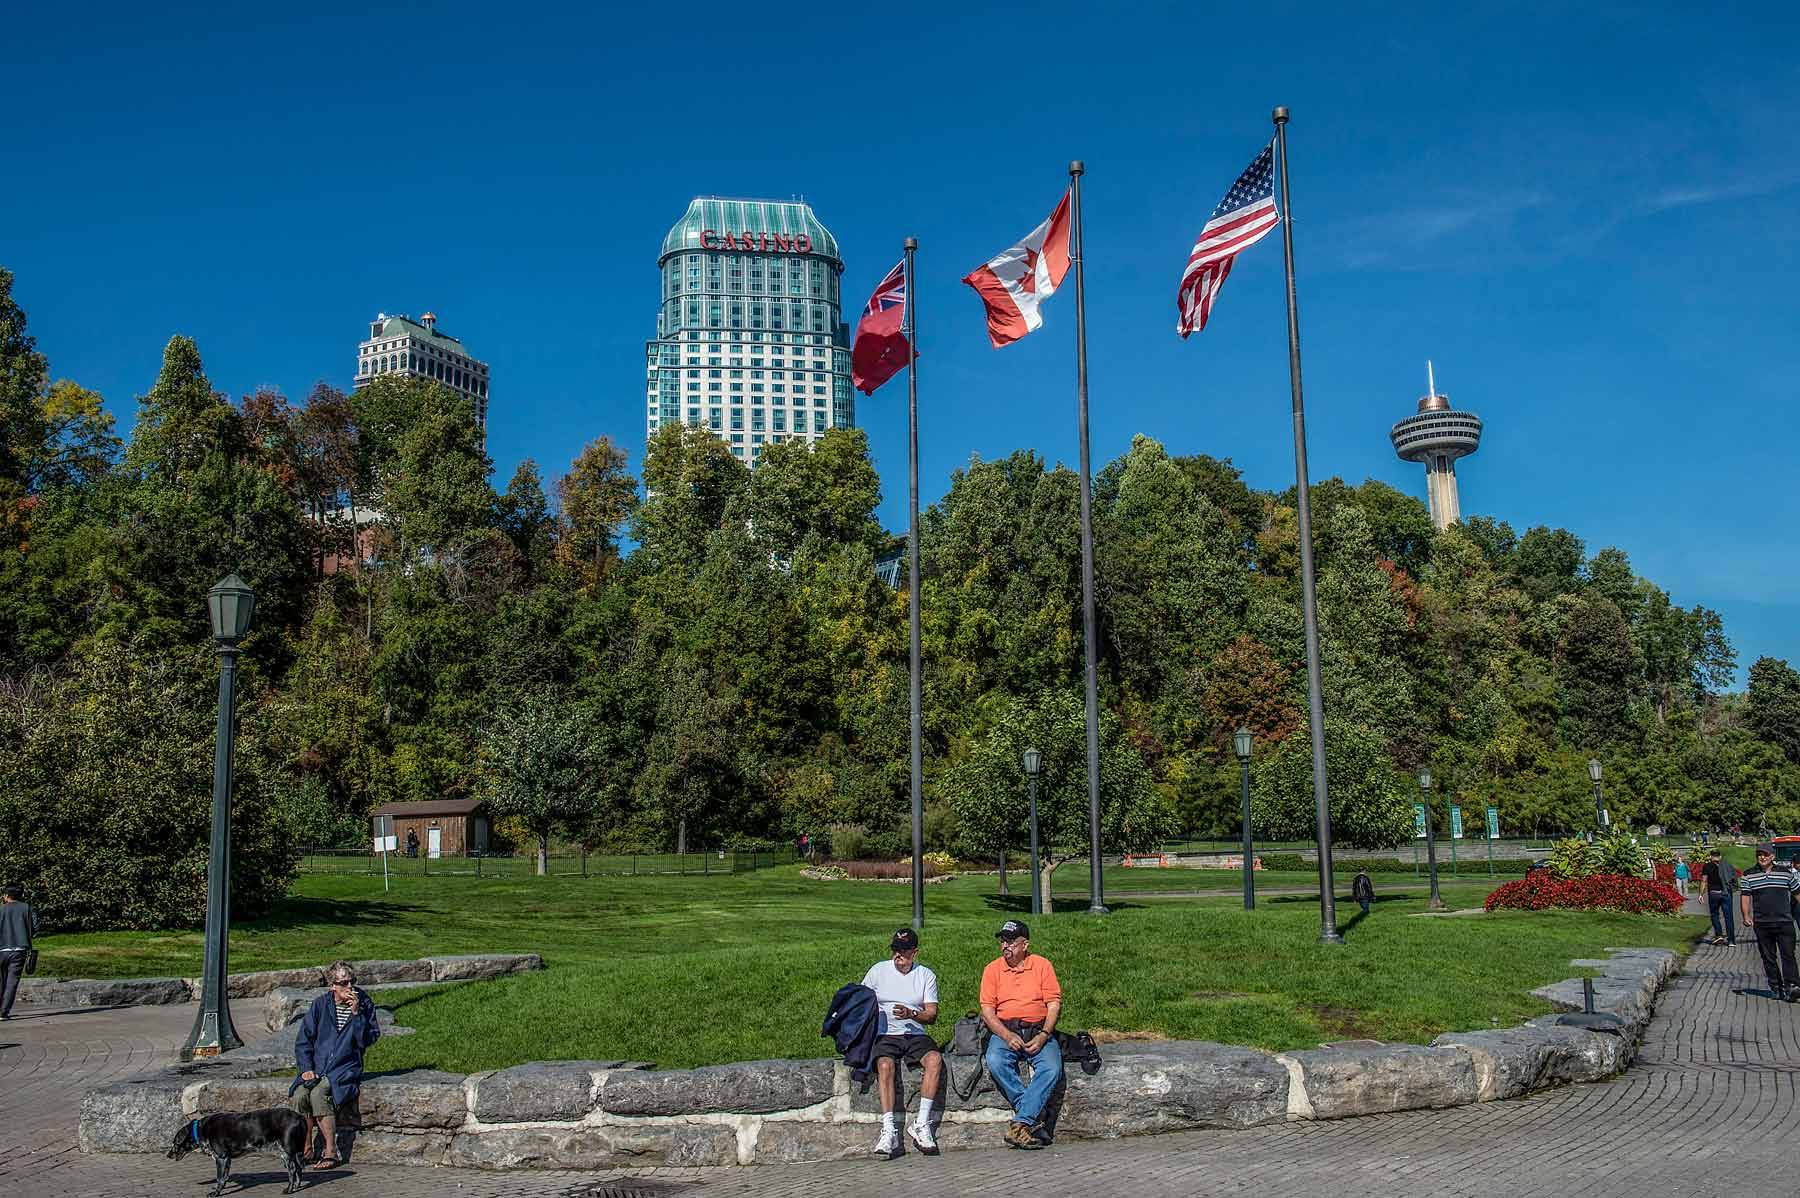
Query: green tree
point(535, 768)
point(826, 491)
point(1370, 805)
point(1772, 705)
point(597, 495)
point(986, 788)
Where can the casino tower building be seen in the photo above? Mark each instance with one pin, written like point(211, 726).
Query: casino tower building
point(402, 345)
point(1437, 436)
point(749, 340)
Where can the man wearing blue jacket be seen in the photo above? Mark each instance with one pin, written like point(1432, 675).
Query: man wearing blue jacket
point(334, 1034)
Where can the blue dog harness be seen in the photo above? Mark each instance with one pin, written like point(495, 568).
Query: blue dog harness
point(194, 1130)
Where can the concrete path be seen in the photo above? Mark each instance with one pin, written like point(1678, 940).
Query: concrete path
point(1709, 1109)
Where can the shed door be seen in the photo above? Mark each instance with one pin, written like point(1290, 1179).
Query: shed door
point(434, 842)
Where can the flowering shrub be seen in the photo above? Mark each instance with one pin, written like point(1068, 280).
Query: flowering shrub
point(1572, 858)
point(1660, 854)
point(935, 862)
point(1665, 873)
point(1619, 854)
point(1542, 891)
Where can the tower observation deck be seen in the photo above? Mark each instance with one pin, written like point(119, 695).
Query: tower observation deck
point(1437, 436)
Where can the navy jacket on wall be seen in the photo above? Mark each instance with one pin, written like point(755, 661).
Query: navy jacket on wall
point(854, 1023)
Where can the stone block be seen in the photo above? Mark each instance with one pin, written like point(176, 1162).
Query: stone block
point(378, 973)
point(791, 1142)
point(1340, 1082)
point(985, 1097)
point(104, 992)
point(482, 965)
point(747, 1087)
point(255, 985)
point(542, 1091)
point(139, 1115)
point(683, 1145)
point(377, 1147)
point(1513, 1061)
point(240, 1094)
point(418, 1098)
point(284, 1005)
point(1175, 1085)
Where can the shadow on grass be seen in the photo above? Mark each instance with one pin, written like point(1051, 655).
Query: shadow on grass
point(292, 913)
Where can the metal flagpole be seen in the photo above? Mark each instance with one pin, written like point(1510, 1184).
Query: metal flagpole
point(908, 323)
point(1328, 932)
point(1096, 892)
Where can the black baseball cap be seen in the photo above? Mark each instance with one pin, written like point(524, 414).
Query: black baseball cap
point(1765, 848)
point(905, 940)
point(1012, 929)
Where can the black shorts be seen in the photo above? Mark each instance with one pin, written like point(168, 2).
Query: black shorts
point(910, 1048)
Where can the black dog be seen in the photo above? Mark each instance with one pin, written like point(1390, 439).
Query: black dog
point(223, 1137)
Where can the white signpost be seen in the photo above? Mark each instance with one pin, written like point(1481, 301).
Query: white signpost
point(384, 843)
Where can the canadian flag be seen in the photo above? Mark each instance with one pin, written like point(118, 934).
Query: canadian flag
point(1015, 285)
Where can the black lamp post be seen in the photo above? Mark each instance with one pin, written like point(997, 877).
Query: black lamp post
point(1034, 761)
point(231, 604)
point(1599, 805)
point(1243, 739)
point(1437, 901)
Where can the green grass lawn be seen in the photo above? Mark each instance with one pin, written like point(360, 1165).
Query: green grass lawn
point(696, 970)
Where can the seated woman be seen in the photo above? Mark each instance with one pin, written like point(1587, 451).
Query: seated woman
point(334, 1034)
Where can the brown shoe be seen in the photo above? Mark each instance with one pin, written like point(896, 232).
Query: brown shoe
point(1018, 1135)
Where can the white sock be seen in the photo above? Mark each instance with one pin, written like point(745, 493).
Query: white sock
point(890, 1120)
point(925, 1105)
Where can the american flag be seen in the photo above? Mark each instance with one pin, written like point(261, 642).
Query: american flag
point(1244, 217)
point(888, 292)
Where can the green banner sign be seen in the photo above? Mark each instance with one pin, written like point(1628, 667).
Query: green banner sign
point(1455, 823)
point(1493, 821)
point(1418, 821)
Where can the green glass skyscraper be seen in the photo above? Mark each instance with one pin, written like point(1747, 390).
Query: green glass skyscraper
point(750, 341)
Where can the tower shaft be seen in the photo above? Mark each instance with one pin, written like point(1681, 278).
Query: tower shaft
point(1440, 491)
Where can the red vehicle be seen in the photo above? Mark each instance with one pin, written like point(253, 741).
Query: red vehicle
point(1787, 848)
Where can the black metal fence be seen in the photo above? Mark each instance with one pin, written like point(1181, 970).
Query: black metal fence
point(560, 863)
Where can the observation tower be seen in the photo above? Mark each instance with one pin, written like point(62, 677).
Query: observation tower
point(1437, 436)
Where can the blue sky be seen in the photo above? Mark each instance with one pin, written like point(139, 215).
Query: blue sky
point(1586, 215)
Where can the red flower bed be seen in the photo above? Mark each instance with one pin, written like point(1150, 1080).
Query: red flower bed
point(1540, 890)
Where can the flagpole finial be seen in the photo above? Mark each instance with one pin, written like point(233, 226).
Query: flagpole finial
point(1280, 115)
point(911, 243)
point(1077, 167)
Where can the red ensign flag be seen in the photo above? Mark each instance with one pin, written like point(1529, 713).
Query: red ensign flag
point(880, 351)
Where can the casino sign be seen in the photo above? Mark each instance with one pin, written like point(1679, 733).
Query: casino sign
point(763, 243)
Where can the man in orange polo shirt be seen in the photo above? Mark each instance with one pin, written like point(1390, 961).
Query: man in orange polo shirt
point(1020, 1000)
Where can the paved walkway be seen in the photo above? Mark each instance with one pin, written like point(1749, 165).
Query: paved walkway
point(1709, 1109)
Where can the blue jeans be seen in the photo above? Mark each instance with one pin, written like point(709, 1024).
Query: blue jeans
point(1046, 1070)
point(1717, 901)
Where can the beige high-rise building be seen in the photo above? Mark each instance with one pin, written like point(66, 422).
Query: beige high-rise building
point(402, 345)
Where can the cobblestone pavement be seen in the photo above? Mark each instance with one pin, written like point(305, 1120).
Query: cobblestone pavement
point(1708, 1109)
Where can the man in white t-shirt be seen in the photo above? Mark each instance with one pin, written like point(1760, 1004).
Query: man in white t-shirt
point(909, 998)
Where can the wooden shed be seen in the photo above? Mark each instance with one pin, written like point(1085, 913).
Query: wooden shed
point(444, 828)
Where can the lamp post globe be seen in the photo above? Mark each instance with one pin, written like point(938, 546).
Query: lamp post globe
point(1034, 761)
point(230, 605)
point(1436, 903)
point(1243, 740)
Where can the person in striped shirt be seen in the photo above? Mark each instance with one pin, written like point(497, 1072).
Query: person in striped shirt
point(1768, 890)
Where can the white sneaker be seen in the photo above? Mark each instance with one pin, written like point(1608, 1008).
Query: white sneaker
point(921, 1135)
point(888, 1146)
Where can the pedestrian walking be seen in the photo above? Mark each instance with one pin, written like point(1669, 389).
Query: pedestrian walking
point(18, 934)
point(1769, 888)
point(1721, 880)
point(1363, 890)
point(1682, 875)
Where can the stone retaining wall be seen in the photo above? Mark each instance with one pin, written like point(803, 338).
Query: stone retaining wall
point(607, 1114)
point(140, 992)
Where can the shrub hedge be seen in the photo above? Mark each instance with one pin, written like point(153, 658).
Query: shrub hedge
point(1394, 865)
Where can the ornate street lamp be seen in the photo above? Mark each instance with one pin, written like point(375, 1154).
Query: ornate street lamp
point(1599, 806)
point(1242, 740)
point(1034, 761)
point(231, 605)
point(1436, 902)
